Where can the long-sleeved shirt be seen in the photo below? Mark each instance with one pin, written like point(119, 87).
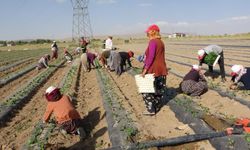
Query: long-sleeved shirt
point(108, 44)
point(151, 54)
point(125, 57)
point(155, 58)
point(63, 110)
point(193, 75)
point(91, 57)
point(213, 48)
point(245, 79)
point(43, 62)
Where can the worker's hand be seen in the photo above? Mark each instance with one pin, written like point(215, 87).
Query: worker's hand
point(233, 87)
point(144, 72)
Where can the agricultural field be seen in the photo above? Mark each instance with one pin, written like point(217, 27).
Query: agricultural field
point(111, 106)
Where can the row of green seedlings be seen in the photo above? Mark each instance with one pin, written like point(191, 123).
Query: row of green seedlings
point(9, 57)
point(120, 115)
point(41, 133)
point(6, 67)
point(33, 84)
point(15, 75)
point(199, 111)
point(216, 87)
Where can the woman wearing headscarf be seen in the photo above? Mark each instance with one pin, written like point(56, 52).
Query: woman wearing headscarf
point(210, 55)
point(194, 82)
point(240, 74)
point(155, 64)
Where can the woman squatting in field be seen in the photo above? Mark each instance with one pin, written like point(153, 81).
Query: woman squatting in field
point(155, 64)
point(66, 115)
point(43, 62)
point(194, 82)
point(240, 74)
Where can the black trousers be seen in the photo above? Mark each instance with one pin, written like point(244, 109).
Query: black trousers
point(221, 64)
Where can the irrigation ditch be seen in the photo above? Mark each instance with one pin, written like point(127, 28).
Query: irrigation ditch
point(21, 95)
point(42, 132)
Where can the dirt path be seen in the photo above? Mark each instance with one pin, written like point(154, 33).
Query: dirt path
point(18, 130)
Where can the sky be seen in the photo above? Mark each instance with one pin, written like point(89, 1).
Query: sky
point(32, 19)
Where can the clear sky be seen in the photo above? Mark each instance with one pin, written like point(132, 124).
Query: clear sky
point(29, 19)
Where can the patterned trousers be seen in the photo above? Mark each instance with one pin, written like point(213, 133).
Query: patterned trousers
point(154, 101)
point(193, 88)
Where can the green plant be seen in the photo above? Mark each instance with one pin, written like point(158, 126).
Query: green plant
point(210, 58)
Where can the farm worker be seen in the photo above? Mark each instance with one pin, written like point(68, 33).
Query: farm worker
point(108, 43)
point(125, 57)
point(84, 61)
point(91, 57)
point(67, 56)
point(194, 82)
point(209, 55)
point(155, 64)
point(43, 62)
point(54, 49)
point(65, 114)
point(103, 58)
point(77, 51)
point(114, 62)
point(83, 44)
point(240, 74)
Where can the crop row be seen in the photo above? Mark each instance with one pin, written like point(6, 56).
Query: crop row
point(191, 113)
point(3, 68)
point(41, 133)
point(16, 75)
point(120, 126)
point(21, 95)
point(8, 57)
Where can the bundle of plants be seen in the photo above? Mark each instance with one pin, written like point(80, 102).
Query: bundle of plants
point(210, 58)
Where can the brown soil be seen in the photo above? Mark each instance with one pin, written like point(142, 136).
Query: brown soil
point(11, 87)
point(17, 68)
point(89, 103)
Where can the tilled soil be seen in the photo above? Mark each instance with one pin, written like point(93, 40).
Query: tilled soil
point(90, 106)
point(16, 132)
point(88, 101)
point(9, 88)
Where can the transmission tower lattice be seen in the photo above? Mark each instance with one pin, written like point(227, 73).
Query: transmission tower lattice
point(81, 21)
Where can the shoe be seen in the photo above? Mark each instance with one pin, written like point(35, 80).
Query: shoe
point(80, 131)
point(148, 113)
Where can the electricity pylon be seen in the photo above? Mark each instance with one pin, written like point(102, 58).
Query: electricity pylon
point(81, 21)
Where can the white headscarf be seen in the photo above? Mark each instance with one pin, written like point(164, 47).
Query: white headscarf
point(239, 70)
